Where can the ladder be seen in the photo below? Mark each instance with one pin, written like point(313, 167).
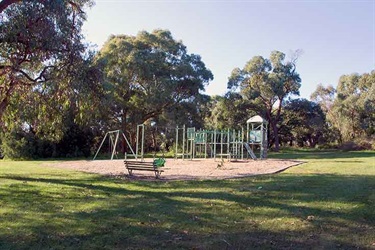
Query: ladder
point(251, 153)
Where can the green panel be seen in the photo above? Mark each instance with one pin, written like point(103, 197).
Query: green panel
point(255, 136)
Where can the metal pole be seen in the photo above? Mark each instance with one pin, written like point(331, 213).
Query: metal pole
point(214, 141)
point(205, 143)
point(101, 144)
point(242, 137)
point(247, 133)
point(137, 142)
point(183, 142)
point(143, 141)
point(228, 144)
point(114, 147)
point(176, 152)
point(126, 139)
point(221, 143)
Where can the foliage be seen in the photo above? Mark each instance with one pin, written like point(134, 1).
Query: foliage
point(266, 83)
point(47, 77)
point(147, 74)
point(228, 112)
point(17, 144)
point(355, 104)
point(22, 143)
point(325, 203)
point(303, 122)
point(350, 108)
point(40, 44)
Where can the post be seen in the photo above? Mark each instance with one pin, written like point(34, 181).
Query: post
point(214, 141)
point(143, 140)
point(242, 136)
point(221, 143)
point(183, 142)
point(114, 147)
point(136, 144)
point(101, 144)
point(175, 154)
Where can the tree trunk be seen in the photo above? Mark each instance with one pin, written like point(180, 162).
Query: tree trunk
point(3, 105)
point(276, 135)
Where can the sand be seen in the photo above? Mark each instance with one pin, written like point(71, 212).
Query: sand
point(197, 169)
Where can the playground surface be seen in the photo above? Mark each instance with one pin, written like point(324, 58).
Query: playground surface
point(197, 169)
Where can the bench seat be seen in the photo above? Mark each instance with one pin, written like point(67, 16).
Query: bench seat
point(143, 166)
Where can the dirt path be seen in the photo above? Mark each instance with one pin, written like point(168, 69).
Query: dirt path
point(198, 169)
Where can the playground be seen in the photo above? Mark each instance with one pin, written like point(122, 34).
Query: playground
point(188, 142)
point(197, 169)
point(197, 154)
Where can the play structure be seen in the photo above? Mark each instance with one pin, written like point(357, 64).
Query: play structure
point(229, 144)
point(190, 143)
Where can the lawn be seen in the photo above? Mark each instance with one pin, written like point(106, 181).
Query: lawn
point(326, 203)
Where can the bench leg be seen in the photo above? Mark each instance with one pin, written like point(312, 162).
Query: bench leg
point(130, 172)
point(157, 174)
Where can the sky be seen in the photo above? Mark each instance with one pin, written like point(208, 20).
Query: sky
point(335, 37)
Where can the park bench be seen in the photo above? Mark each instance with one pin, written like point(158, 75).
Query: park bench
point(143, 166)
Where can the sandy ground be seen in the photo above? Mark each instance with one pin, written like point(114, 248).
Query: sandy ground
point(200, 169)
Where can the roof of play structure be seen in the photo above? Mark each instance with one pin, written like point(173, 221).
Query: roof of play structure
point(256, 119)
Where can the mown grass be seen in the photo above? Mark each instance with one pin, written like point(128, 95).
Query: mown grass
point(326, 203)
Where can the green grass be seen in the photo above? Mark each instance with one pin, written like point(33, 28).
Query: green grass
point(326, 203)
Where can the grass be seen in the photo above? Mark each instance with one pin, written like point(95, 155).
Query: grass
point(326, 203)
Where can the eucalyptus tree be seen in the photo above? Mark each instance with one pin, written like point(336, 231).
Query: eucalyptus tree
point(304, 122)
point(266, 83)
point(229, 111)
point(40, 43)
point(324, 96)
point(148, 73)
point(350, 108)
point(354, 105)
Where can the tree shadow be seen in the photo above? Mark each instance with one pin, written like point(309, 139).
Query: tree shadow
point(317, 154)
point(102, 212)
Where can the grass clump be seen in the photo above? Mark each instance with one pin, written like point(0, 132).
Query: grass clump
point(325, 203)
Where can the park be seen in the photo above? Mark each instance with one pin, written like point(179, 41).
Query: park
point(124, 144)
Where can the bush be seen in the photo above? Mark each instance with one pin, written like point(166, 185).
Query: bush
point(21, 144)
point(17, 144)
point(362, 143)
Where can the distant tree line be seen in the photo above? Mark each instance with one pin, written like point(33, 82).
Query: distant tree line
point(58, 98)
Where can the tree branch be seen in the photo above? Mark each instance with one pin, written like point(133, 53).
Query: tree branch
point(6, 3)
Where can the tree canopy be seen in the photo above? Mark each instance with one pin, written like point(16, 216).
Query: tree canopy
point(40, 42)
point(148, 73)
point(265, 83)
point(349, 108)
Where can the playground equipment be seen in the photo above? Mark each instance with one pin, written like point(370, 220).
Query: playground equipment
point(140, 139)
point(113, 138)
point(191, 143)
point(257, 136)
point(229, 144)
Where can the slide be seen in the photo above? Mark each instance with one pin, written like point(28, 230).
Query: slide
point(251, 153)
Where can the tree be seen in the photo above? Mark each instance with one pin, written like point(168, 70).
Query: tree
point(229, 111)
point(354, 104)
point(324, 96)
point(304, 122)
point(148, 74)
point(40, 42)
point(266, 83)
point(349, 108)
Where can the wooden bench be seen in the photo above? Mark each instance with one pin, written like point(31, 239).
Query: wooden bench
point(142, 166)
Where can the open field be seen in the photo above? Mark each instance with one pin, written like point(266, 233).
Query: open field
point(326, 203)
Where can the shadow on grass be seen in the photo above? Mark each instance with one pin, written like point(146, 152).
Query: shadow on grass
point(318, 154)
point(277, 212)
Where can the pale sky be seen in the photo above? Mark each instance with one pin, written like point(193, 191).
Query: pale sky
point(337, 37)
